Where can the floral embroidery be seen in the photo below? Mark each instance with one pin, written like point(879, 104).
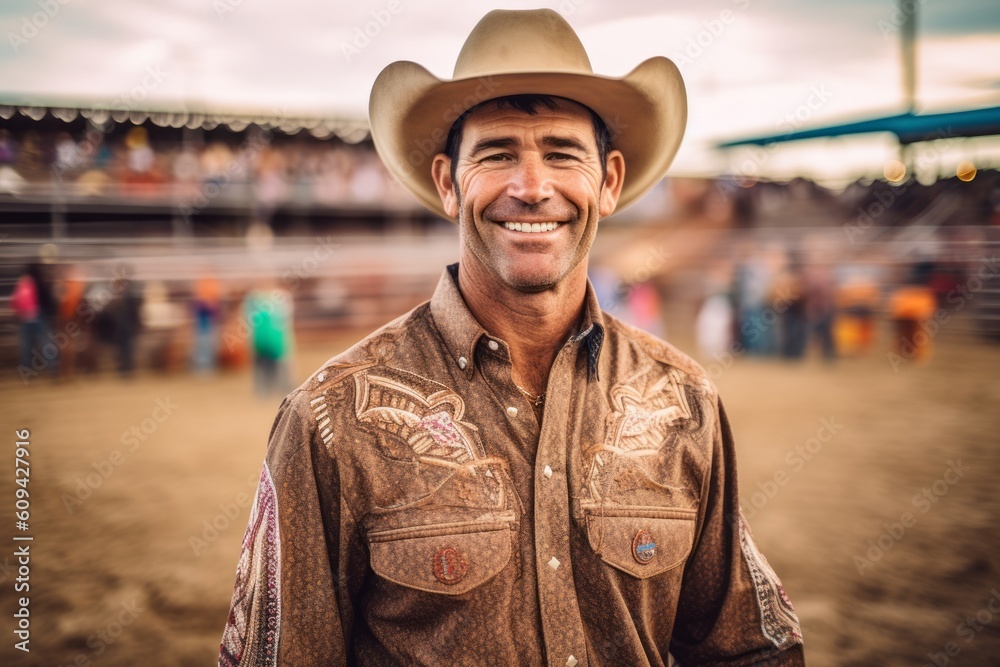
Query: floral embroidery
point(641, 419)
point(431, 424)
point(646, 409)
point(251, 634)
point(778, 621)
point(447, 436)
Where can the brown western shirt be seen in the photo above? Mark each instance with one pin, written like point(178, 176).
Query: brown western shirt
point(413, 510)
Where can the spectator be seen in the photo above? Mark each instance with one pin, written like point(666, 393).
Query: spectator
point(269, 314)
point(910, 307)
point(206, 306)
point(125, 312)
point(26, 305)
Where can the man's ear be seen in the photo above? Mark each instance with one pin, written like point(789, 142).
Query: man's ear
point(441, 173)
point(613, 183)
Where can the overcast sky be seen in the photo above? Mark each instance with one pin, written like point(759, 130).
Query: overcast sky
point(750, 65)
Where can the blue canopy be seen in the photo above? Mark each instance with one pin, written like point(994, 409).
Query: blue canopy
point(908, 127)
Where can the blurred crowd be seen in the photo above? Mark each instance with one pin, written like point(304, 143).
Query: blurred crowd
point(769, 301)
point(760, 299)
point(128, 164)
point(69, 324)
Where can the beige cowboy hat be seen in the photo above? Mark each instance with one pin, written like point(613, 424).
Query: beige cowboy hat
point(526, 52)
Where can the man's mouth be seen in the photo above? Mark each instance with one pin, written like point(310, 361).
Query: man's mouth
point(531, 227)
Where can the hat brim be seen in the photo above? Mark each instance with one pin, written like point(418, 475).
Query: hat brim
point(411, 112)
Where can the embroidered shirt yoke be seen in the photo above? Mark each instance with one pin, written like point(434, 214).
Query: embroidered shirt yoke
point(412, 510)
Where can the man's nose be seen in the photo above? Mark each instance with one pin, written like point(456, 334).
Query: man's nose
point(529, 181)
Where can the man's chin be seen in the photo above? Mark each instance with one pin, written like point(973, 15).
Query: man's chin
point(532, 286)
point(533, 279)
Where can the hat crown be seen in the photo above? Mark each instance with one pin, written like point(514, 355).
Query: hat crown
point(535, 40)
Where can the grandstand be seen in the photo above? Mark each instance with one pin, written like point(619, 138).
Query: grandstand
point(174, 194)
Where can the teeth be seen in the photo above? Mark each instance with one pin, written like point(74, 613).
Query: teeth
point(531, 227)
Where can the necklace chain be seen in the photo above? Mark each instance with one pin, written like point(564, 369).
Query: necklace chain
point(534, 400)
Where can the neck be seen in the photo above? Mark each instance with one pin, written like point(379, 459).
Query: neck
point(535, 325)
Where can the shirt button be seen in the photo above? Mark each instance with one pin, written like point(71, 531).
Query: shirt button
point(512, 412)
point(547, 471)
point(554, 563)
point(571, 661)
point(494, 345)
point(463, 362)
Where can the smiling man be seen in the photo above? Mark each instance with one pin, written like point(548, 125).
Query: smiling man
point(506, 474)
point(528, 177)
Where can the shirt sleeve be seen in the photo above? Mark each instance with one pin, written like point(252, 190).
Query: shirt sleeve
point(286, 606)
point(732, 608)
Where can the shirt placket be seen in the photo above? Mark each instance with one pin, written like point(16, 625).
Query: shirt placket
point(562, 625)
point(495, 365)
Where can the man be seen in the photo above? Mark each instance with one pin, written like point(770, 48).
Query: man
point(506, 475)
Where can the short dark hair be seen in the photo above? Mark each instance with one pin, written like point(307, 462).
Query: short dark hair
point(530, 105)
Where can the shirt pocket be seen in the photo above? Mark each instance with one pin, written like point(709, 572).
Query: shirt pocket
point(446, 558)
point(641, 541)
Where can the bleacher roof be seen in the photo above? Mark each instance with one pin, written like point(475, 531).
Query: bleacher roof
point(350, 130)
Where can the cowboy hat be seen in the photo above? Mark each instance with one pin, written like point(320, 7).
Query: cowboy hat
point(526, 52)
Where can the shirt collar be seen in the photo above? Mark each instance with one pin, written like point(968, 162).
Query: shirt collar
point(591, 330)
point(461, 331)
point(454, 321)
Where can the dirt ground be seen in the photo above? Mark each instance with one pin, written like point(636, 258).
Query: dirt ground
point(136, 536)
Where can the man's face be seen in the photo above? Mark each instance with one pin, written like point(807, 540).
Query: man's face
point(528, 192)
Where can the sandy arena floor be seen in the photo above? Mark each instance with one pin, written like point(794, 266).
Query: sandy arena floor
point(136, 539)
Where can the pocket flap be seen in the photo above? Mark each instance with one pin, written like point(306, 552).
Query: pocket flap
point(643, 546)
point(450, 559)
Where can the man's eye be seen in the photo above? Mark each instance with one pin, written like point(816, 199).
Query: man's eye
point(496, 157)
point(561, 156)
